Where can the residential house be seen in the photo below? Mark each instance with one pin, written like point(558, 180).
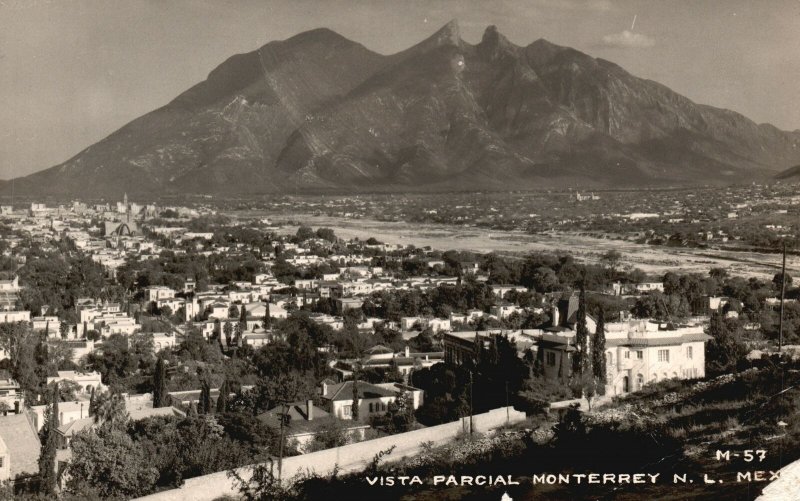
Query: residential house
point(372, 398)
point(304, 420)
point(19, 447)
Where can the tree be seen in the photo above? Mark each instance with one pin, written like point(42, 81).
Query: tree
point(329, 435)
point(725, 350)
point(581, 356)
point(777, 281)
point(204, 407)
point(108, 409)
point(160, 396)
point(599, 354)
point(228, 329)
point(107, 464)
point(611, 259)
point(222, 399)
point(47, 455)
point(267, 319)
point(354, 406)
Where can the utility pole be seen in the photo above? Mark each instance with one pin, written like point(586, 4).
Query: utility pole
point(470, 402)
point(508, 412)
point(783, 294)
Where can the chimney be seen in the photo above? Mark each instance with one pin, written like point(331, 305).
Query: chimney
point(408, 352)
point(309, 409)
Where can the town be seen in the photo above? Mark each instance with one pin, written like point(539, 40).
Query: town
point(191, 343)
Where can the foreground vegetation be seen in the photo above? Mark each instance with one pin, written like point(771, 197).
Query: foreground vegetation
point(672, 427)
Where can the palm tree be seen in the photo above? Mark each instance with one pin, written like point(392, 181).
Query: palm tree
point(109, 408)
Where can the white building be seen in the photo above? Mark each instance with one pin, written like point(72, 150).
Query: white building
point(637, 352)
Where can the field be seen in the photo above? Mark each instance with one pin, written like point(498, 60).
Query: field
point(654, 260)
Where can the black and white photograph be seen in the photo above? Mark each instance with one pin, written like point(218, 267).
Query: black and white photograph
point(400, 250)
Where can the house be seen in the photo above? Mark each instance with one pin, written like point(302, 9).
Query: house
point(504, 309)
point(348, 303)
point(67, 412)
point(158, 292)
point(19, 447)
point(10, 317)
point(163, 341)
point(11, 285)
point(373, 398)
point(304, 420)
point(11, 397)
point(67, 431)
point(86, 381)
point(637, 352)
point(500, 290)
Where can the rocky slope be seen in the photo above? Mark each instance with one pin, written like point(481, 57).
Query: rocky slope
point(320, 112)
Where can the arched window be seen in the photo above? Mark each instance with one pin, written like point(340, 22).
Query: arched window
point(639, 381)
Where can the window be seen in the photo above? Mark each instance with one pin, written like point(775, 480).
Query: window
point(370, 408)
point(609, 359)
point(663, 355)
point(1, 461)
point(689, 352)
point(639, 354)
point(551, 358)
point(639, 381)
point(346, 410)
point(627, 353)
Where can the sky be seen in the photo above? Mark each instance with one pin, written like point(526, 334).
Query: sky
point(73, 71)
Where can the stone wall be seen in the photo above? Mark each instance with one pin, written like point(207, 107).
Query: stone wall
point(348, 458)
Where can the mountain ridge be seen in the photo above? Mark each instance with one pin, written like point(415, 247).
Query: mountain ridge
point(320, 112)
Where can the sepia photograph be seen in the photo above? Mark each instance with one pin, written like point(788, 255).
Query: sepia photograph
point(400, 250)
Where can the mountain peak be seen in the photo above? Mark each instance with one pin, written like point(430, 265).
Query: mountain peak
point(449, 34)
point(494, 43)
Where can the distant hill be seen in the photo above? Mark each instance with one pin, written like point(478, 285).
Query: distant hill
point(790, 173)
point(320, 112)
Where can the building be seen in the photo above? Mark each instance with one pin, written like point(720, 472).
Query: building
point(11, 397)
point(86, 381)
point(638, 352)
point(158, 292)
point(373, 399)
point(19, 447)
point(305, 420)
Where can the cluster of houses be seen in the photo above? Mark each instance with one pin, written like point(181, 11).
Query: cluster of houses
point(242, 312)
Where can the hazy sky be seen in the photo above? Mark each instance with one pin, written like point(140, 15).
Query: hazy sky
point(73, 71)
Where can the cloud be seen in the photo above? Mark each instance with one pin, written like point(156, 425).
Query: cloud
point(627, 39)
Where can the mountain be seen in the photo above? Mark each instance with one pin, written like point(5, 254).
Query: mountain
point(320, 112)
point(792, 173)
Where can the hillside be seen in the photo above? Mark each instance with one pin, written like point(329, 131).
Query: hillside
point(320, 112)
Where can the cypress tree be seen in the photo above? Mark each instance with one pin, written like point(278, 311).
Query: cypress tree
point(243, 318)
point(222, 400)
point(354, 407)
point(267, 318)
point(160, 397)
point(581, 361)
point(599, 354)
point(47, 454)
point(204, 406)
